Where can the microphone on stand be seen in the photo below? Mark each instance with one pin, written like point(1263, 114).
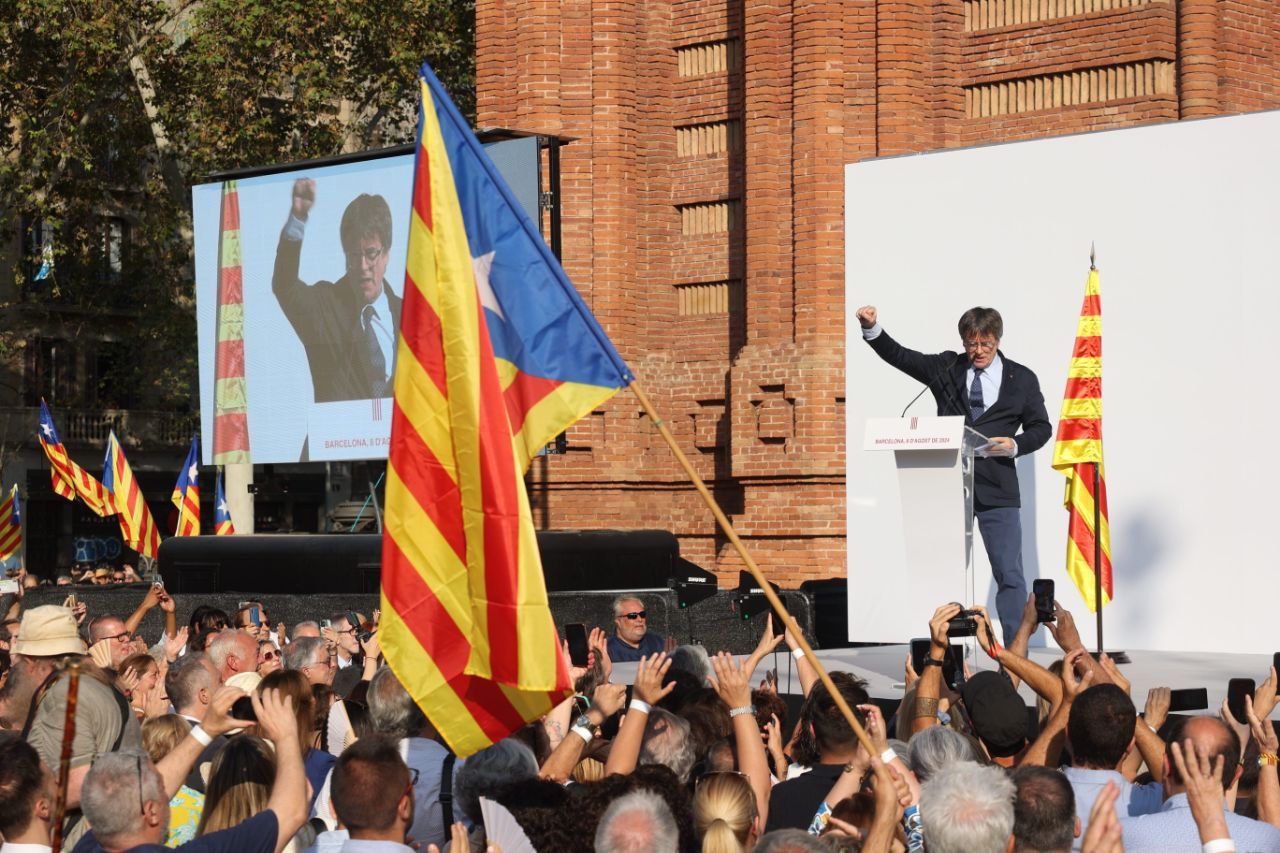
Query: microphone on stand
point(931, 382)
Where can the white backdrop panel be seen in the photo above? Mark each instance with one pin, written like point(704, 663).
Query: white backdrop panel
point(1184, 217)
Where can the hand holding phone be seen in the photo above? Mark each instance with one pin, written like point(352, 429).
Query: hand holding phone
point(576, 635)
point(1043, 590)
point(1237, 689)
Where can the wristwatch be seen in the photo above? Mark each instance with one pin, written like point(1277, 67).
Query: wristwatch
point(584, 722)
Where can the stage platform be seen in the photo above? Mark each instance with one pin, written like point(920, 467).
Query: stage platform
point(883, 667)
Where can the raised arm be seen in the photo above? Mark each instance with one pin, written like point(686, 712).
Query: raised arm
point(929, 687)
point(278, 723)
point(605, 702)
point(648, 689)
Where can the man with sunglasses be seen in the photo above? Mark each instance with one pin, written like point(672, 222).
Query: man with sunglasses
point(348, 327)
point(997, 397)
point(632, 638)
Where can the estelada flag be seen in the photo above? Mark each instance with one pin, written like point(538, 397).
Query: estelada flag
point(497, 355)
point(222, 524)
point(186, 493)
point(69, 479)
point(1078, 449)
point(137, 527)
point(10, 525)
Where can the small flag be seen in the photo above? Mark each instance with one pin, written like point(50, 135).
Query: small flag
point(69, 479)
point(186, 493)
point(137, 527)
point(497, 354)
point(222, 524)
point(46, 262)
point(1079, 448)
point(230, 396)
point(10, 525)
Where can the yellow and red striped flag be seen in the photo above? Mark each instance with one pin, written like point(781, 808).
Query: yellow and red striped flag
point(10, 525)
point(69, 479)
point(186, 493)
point(1079, 448)
point(497, 355)
point(137, 526)
point(230, 396)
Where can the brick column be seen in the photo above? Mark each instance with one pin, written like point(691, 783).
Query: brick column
point(1198, 58)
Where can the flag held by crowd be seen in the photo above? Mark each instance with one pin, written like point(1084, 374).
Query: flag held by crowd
point(1079, 448)
point(137, 527)
point(222, 524)
point(69, 479)
point(186, 493)
point(10, 525)
point(497, 355)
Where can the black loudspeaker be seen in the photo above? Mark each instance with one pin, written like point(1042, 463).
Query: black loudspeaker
point(830, 611)
point(572, 560)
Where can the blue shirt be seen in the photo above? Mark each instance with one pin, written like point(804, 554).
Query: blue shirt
point(1174, 829)
point(650, 644)
point(1134, 799)
point(255, 835)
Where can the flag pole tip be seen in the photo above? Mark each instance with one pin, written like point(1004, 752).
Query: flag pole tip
point(1092, 256)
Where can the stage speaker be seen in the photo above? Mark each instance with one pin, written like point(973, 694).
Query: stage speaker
point(830, 611)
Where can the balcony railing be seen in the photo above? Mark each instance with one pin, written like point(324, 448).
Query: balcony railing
point(138, 428)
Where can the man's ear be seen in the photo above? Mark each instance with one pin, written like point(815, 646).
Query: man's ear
point(152, 814)
point(1075, 833)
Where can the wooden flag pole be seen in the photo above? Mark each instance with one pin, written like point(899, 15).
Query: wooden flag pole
point(64, 761)
point(1097, 549)
point(788, 621)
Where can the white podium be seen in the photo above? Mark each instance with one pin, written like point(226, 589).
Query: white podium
point(924, 538)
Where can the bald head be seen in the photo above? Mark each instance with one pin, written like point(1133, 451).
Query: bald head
point(1211, 736)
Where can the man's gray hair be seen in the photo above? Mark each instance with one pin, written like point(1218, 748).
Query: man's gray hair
point(392, 710)
point(113, 781)
point(303, 651)
point(967, 807)
point(623, 599)
point(789, 841)
point(639, 822)
point(936, 748)
point(187, 676)
point(306, 623)
point(693, 660)
point(488, 770)
point(223, 645)
point(667, 742)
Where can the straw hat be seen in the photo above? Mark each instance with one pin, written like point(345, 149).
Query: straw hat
point(47, 631)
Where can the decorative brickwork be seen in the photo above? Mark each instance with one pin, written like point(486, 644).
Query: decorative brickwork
point(704, 206)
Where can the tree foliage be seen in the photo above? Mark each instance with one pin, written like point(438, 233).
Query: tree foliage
point(227, 84)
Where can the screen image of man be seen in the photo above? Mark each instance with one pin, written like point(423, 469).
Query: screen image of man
point(997, 397)
point(348, 326)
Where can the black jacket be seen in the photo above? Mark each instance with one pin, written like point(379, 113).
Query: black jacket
point(995, 480)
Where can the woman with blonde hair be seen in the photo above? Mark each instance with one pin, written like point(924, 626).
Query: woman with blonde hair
point(724, 813)
point(317, 762)
point(239, 783)
point(159, 736)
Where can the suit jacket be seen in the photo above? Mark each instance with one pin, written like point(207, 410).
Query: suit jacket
point(326, 318)
point(1020, 404)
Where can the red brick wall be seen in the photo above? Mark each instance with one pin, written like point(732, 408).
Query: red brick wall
point(703, 206)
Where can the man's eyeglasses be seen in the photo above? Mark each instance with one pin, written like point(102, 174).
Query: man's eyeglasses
point(635, 614)
point(122, 637)
point(984, 346)
point(369, 255)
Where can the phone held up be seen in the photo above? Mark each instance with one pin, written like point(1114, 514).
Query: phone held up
point(576, 635)
point(1042, 588)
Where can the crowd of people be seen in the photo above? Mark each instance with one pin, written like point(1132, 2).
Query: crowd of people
point(229, 733)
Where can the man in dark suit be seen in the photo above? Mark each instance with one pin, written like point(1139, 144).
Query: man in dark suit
point(348, 326)
point(996, 396)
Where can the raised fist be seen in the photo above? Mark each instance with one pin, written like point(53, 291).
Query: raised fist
point(866, 314)
point(304, 195)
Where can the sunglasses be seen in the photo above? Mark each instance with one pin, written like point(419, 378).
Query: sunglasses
point(635, 614)
point(271, 655)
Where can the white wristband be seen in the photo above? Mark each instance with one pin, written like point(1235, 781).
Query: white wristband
point(201, 736)
point(797, 653)
point(888, 756)
point(738, 712)
point(1219, 845)
point(584, 733)
point(640, 705)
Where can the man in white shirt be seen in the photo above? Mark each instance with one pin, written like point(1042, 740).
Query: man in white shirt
point(26, 799)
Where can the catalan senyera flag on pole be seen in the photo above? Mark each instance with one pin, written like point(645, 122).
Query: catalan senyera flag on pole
point(1079, 447)
point(497, 354)
point(69, 479)
point(222, 524)
point(186, 493)
point(137, 527)
point(230, 399)
point(10, 525)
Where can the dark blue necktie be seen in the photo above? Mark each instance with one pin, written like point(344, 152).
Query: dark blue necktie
point(377, 361)
point(976, 406)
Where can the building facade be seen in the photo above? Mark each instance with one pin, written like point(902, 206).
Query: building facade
point(703, 206)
